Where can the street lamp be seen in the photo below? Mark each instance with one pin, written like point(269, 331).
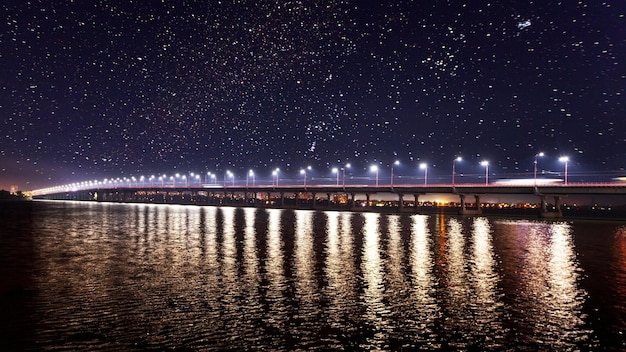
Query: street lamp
point(535, 170)
point(336, 172)
point(565, 160)
point(394, 163)
point(250, 174)
point(275, 174)
point(486, 165)
point(458, 158)
point(343, 172)
point(303, 172)
point(374, 168)
point(231, 175)
point(424, 167)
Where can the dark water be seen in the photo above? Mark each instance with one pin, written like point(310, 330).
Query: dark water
point(87, 276)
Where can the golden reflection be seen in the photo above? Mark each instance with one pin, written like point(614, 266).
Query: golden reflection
point(229, 256)
point(457, 283)
point(376, 310)
point(427, 309)
point(307, 292)
point(339, 268)
point(274, 264)
point(547, 300)
point(563, 297)
point(488, 308)
point(250, 256)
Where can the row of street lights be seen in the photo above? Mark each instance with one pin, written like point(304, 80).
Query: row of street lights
point(191, 177)
point(250, 176)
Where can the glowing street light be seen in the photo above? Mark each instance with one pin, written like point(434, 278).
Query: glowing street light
point(424, 167)
point(458, 158)
point(343, 173)
point(336, 172)
point(374, 168)
point(535, 170)
point(275, 175)
point(565, 160)
point(394, 163)
point(250, 174)
point(231, 175)
point(303, 172)
point(486, 165)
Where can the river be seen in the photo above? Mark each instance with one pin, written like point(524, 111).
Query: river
point(134, 277)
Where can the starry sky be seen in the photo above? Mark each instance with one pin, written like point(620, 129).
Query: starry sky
point(94, 89)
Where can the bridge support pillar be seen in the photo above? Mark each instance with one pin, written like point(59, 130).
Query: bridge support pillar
point(367, 200)
point(400, 202)
point(282, 199)
point(465, 211)
point(544, 212)
point(328, 198)
point(478, 208)
point(416, 206)
point(314, 204)
point(462, 199)
point(352, 200)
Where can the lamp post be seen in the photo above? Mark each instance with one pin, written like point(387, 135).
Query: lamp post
point(458, 158)
point(424, 167)
point(565, 160)
point(336, 172)
point(394, 163)
point(535, 169)
point(275, 174)
point(374, 168)
point(303, 172)
point(343, 174)
point(486, 165)
point(231, 175)
point(250, 174)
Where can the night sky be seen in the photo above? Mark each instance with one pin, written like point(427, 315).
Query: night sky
point(95, 89)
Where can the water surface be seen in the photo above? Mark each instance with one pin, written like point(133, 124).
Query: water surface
point(89, 276)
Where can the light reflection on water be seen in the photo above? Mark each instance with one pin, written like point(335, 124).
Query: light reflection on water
point(120, 277)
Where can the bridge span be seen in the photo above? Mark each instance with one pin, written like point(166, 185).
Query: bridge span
point(337, 197)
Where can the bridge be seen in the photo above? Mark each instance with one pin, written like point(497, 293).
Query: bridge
point(327, 196)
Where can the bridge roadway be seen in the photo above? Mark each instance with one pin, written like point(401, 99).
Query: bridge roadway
point(303, 195)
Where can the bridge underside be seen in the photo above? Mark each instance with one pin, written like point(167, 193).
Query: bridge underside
point(297, 198)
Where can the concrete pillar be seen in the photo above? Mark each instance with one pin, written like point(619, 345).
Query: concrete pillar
point(314, 203)
point(282, 199)
point(478, 208)
point(352, 198)
point(328, 198)
point(462, 197)
point(544, 204)
point(557, 205)
point(416, 205)
point(400, 201)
